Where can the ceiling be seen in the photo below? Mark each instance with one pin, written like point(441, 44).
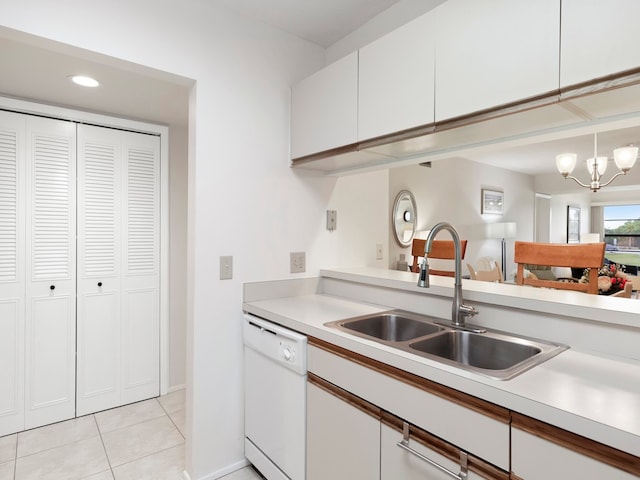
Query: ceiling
point(540, 158)
point(41, 74)
point(322, 22)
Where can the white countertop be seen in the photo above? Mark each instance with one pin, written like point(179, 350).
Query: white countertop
point(593, 395)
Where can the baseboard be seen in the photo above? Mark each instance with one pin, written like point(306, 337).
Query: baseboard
point(177, 388)
point(220, 473)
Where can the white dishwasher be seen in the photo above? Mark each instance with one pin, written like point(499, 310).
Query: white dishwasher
point(275, 399)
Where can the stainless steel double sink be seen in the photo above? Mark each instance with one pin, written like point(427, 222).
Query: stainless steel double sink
point(494, 354)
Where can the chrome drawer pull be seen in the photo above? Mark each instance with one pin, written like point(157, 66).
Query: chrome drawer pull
point(404, 444)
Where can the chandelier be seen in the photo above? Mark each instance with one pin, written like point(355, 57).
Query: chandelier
point(625, 157)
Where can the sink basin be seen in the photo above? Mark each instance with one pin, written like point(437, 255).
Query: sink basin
point(493, 354)
point(388, 327)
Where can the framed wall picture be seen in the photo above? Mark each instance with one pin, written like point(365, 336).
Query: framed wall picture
point(492, 202)
point(573, 224)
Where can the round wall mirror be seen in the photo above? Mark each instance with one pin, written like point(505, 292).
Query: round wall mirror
point(403, 218)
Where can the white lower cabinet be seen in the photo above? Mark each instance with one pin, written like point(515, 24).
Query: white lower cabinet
point(343, 441)
point(356, 415)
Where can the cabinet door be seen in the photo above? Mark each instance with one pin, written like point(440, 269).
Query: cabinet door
point(396, 80)
point(494, 52)
point(12, 271)
point(51, 271)
point(343, 442)
point(324, 108)
point(559, 462)
point(598, 39)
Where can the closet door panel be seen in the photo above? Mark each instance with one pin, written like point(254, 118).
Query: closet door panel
point(99, 232)
point(51, 266)
point(52, 337)
point(11, 366)
point(98, 347)
point(140, 314)
point(140, 359)
point(12, 271)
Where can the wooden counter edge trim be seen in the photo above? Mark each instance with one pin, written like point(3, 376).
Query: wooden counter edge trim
point(477, 465)
point(577, 443)
point(346, 396)
point(481, 406)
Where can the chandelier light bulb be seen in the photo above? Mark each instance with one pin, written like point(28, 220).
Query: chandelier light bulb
point(601, 163)
point(566, 162)
point(625, 157)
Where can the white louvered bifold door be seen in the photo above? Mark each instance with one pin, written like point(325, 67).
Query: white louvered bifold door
point(118, 273)
point(99, 232)
point(51, 271)
point(12, 271)
point(141, 268)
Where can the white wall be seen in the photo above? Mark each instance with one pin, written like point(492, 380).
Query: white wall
point(244, 200)
point(178, 171)
point(559, 204)
point(450, 191)
point(402, 12)
point(363, 222)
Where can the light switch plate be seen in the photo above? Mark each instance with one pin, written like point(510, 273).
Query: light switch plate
point(332, 220)
point(379, 252)
point(297, 262)
point(226, 268)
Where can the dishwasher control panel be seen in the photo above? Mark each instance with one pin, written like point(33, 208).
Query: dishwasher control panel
point(275, 342)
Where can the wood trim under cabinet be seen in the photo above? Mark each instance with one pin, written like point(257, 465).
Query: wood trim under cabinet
point(577, 443)
point(346, 396)
point(481, 406)
point(475, 464)
point(351, 148)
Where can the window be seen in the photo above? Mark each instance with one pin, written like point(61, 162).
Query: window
point(622, 235)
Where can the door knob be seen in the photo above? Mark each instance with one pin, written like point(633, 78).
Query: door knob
point(52, 287)
point(99, 284)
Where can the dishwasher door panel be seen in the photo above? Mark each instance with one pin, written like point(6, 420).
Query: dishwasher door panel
point(275, 406)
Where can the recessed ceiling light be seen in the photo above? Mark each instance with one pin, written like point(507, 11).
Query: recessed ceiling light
point(84, 80)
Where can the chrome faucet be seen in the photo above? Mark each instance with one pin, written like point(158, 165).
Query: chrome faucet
point(459, 311)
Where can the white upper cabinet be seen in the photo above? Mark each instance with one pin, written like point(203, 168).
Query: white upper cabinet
point(396, 82)
point(495, 52)
point(598, 38)
point(324, 108)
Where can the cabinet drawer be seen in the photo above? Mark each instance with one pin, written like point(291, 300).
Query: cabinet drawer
point(473, 425)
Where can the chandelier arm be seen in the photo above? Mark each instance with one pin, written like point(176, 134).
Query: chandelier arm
point(612, 178)
point(578, 181)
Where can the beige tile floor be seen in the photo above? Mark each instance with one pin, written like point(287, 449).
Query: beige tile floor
point(141, 441)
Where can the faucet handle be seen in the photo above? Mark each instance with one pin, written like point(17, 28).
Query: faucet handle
point(468, 310)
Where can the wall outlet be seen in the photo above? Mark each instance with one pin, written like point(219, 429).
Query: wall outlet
point(379, 252)
point(332, 220)
point(226, 268)
point(297, 262)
